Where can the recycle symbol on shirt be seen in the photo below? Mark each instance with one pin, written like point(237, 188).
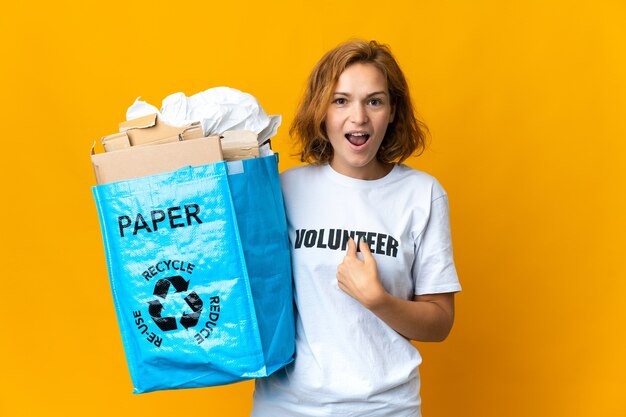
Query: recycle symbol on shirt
point(162, 291)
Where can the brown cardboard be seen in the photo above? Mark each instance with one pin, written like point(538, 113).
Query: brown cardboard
point(115, 142)
point(239, 144)
point(141, 161)
point(149, 130)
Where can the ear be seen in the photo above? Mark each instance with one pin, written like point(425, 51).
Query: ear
point(392, 115)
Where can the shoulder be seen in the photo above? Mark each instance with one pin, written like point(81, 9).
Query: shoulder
point(299, 170)
point(301, 186)
point(299, 174)
point(419, 181)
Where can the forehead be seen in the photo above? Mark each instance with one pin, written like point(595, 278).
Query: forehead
point(361, 77)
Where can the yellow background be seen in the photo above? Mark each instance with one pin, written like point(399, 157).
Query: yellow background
point(526, 104)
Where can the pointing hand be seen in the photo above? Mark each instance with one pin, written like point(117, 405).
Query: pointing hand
point(359, 278)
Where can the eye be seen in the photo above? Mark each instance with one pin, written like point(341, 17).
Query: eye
point(375, 101)
point(340, 101)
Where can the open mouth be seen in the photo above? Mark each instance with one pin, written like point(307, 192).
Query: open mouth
point(357, 138)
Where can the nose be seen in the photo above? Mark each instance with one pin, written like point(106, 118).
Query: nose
point(359, 114)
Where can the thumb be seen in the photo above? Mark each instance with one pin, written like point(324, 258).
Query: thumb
point(351, 252)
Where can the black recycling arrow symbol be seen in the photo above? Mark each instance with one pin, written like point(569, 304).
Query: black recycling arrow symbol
point(191, 319)
point(161, 289)
point(162, 286)
point(164, 323)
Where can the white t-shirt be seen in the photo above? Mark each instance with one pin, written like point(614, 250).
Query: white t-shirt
point(349, 362)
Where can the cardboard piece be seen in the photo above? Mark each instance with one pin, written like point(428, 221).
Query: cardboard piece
point(147, 146)
point(149, 130)
point(141, 161)
point(239, 144)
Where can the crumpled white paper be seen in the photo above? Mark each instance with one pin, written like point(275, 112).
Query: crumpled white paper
point(218, 109)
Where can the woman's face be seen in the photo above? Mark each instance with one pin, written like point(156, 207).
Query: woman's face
point(356, 121)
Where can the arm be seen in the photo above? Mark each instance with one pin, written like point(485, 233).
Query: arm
point(426, 318)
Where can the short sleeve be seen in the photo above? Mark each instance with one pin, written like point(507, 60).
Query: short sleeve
point(433, 270)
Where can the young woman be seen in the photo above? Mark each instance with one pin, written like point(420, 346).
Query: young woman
point(371, 250)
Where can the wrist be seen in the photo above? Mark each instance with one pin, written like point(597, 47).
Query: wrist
point(378, 301)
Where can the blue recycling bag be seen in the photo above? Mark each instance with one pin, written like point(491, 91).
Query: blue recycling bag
point(199, 266)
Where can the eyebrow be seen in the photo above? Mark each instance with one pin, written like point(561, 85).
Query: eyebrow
point(369, 95)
